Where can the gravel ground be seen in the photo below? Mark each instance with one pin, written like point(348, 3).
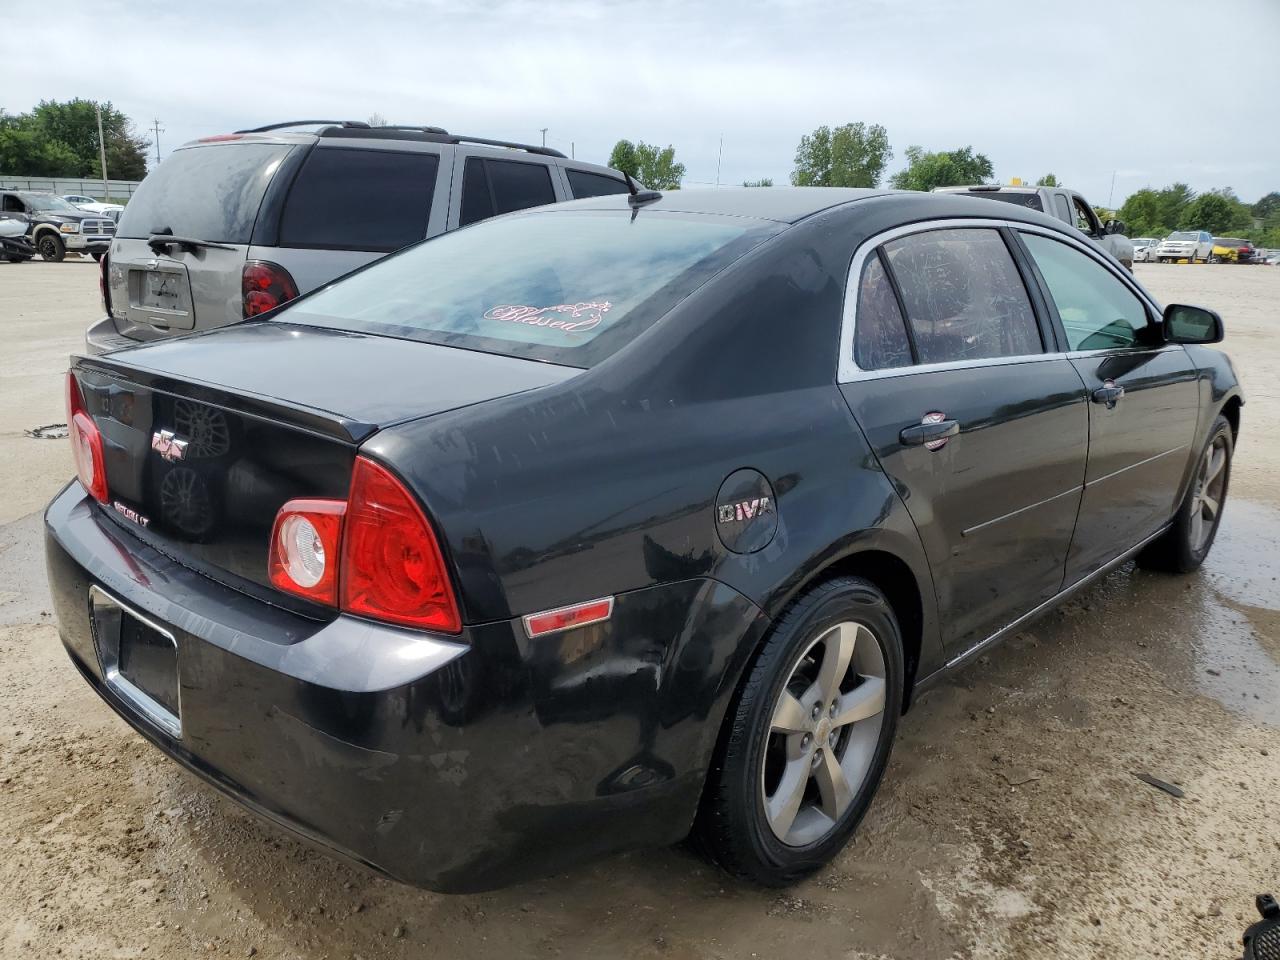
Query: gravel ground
point(1010, 823)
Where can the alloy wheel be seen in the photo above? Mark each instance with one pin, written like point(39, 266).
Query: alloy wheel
point(1210, 488)
point(823, 733)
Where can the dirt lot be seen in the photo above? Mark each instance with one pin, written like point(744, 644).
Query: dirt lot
point(1010, 823)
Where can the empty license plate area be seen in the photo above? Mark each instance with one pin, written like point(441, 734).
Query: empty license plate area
point(139, 660)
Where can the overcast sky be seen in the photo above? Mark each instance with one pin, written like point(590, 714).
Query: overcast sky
point(1150, 91)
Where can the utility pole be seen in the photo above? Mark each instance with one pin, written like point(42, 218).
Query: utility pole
point(719, 157)
point(155, 125)
point(1111, 196)
point(571, 153)
point(102, 153)
point(544, 134)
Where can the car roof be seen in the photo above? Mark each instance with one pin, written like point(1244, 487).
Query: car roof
point(793, 204)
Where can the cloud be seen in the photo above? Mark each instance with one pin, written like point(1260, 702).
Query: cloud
point(1037, 87)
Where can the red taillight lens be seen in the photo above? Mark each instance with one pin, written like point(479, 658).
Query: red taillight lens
point(392, 568)
point(103, 288)
point(305, 542)
point(264, 287)
point(86, 443)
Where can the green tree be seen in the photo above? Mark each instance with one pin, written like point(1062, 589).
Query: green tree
point(24, 153)
point(43, 142)
point(1172, 202)
point(653, 166)
point(1218, 211)
point(1268, 205)
point(762, 182)
point(948, 168)
point(852, 155)
point(1141, 214)
point(1048, 180)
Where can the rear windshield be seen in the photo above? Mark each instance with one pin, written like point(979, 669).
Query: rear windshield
point(1029, 200)
point(569, 287)
point(208, 193)
point(1231, 242)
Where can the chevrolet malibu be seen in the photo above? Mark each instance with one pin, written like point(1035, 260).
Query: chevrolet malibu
point(592, 526)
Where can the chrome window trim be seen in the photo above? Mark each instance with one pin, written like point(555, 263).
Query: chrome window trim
point(847, 369)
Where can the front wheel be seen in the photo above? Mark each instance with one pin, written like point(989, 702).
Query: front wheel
point(1184, 546)
point(807, 741)
point(51, 247)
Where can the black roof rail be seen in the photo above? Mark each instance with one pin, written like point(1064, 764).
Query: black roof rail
point(390, 131)
point(303, 123)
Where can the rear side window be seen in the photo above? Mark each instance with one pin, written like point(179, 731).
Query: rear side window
point(880, 335)
point(586, 184)
point(1098, 311)
point(360, 200)
point(490, 187)
point(963, 295)
point(567, 286)
point(208, 192)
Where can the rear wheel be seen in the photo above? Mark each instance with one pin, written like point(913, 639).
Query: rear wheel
point(51, 247)
point(807, 742)
point(1184, 546)
point(97, 256)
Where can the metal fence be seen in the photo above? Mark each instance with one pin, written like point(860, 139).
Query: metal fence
point(119, 191)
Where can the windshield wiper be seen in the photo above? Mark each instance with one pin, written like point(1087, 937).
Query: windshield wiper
point(163, 239)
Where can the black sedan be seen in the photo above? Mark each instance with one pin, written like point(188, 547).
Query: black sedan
point(590, 526)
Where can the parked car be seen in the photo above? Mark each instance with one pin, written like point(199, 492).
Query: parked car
point(112, 210)
point(1069, 206)
point(1144, 249)
point(1231, 250)
point(261, 216)
point(56, 226)
point(591, 525)
point(1193, 245)
point(15, 247)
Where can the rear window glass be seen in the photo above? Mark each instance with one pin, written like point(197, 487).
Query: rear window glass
point(586, 184)
point(1029, 200)
point(360, 200)
point(209, 193)
point(569, 287)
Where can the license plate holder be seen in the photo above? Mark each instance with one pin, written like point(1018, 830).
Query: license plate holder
point(162, 290)
point(139, 660)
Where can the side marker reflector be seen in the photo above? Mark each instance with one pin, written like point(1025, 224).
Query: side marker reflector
point(566, 618)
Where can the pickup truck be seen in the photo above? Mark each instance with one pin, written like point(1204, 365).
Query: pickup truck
point(1067, 206)
point(56, 226)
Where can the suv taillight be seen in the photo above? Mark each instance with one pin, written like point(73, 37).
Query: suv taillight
point(86, 443)
point(103, 288)
point(374, 555)
point(264, 286)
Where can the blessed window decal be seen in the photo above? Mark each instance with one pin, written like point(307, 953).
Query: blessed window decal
point(570, 317)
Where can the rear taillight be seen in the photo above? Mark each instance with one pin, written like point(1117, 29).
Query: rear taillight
point(103, 288)
point(374, 555)
point(86, 443)
point(392, 568)
point(304, 549)
point(264, 286)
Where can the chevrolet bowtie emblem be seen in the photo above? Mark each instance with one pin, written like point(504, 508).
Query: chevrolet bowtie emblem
point(168, 446)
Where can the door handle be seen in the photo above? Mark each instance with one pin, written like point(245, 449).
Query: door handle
point(1109, 393)
point(933, 434)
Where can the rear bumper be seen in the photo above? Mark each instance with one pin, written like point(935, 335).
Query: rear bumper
point(103, 336)
point(455, 766)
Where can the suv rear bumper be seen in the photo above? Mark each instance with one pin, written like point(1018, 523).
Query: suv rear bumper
point(456, 766)
point(103, 337)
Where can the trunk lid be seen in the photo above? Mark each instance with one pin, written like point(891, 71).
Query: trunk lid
point(206, 437)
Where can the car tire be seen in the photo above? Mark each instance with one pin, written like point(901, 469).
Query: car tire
point(1184, 546)
point(790, 782)
point(51, 247)
point(97, 256)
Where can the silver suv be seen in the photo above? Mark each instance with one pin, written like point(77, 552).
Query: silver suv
point(229, 227)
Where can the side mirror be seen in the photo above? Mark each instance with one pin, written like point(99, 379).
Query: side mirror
point(1184, 324)
point(1114, 226)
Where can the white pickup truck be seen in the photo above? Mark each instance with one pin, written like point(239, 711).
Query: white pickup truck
point(1067, 206)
